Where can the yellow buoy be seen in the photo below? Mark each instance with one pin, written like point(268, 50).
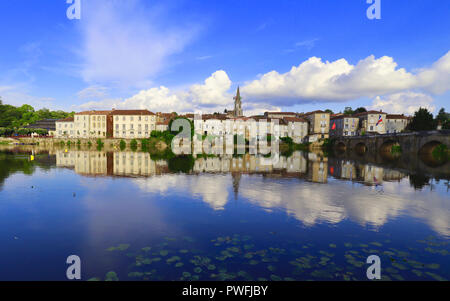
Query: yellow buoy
point(31, 158)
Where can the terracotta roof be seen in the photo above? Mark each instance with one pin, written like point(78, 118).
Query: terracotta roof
point(280, 113)
point(68, 119)
point(165, 122)
point(294, 119)
point(343, 116)
point(316, 112)
point(131, 112)
point(93, 112)
point(396, 116)
point(369, 112)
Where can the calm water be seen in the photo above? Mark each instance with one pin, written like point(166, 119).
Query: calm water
point(133, 217)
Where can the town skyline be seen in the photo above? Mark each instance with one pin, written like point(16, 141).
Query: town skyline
point(285, 57)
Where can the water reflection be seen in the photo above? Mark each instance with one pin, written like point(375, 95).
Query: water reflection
point(101, 198)
point(289, 184)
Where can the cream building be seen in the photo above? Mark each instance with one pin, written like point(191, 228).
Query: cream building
point(372, 122)
point(129, 124)
point(92, 124)
point(319, 125)
point(65, 128)
point(396, 123)
point(344, 125)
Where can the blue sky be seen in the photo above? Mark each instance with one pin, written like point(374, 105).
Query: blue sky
point(191, 55)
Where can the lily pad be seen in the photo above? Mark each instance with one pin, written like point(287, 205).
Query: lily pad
point(111, 276)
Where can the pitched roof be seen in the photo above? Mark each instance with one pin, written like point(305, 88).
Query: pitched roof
point(343, 116)
point(294, 119)
point(396, 116)
point(131, 112)
point(93, 112)
point(316, 112)
point(369, 112)
point(68, 119)
point(280, 113)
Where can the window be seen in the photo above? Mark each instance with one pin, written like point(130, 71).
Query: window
point(117, 126)
point(131, 118)
point(371, 128)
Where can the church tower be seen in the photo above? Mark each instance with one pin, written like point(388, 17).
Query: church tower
point(238, 104)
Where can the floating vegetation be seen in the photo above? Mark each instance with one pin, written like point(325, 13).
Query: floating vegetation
point(292, 261)
point(111, 276)
point(121, 247)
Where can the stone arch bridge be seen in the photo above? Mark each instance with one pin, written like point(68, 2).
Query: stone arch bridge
point(416, 142)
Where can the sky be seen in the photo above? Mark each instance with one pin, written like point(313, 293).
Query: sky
point(191, 55)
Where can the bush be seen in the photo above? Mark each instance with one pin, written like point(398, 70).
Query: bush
point(100, 143)
point(133, 144)
point(396, 149)
point(165, 136)
point(122, 145)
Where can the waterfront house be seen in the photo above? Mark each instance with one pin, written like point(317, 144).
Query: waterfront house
point(371, 122)
point(343, 125)
point(396, 123)
point(318, 124)
point(130, 124)
point(64, 128)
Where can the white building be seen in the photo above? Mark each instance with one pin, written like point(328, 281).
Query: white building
point(65, 128)
point(129, 124)
point(396, 123)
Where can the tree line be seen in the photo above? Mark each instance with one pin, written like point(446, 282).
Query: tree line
point(14, 119)
point(18, 117)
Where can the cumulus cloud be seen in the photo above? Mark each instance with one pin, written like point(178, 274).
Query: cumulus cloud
point(403, 102)
point(339, 81)
point(213, 95)
point(393, 89)
point(123, 43)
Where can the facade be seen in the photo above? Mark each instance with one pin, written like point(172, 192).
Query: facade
point(319, 125)
point(297, 129)
point(48, 124)
point(162, 126)
point(344, 125)
point(130, 124)
point(372, 122)
point(92, 124)
point(396, 123)
point(64, 128)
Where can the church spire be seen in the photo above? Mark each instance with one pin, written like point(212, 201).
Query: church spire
point(237, 104)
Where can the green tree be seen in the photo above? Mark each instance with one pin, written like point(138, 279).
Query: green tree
point(348, 111)
point(360, 110)
point(422, 121)
point(443, 118)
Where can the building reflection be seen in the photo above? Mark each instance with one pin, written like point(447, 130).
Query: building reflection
point(312, 167)
point(101, 163)
point(292, 189)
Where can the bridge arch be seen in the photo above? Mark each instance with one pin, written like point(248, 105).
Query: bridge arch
point(360, 148)
point(341, 146)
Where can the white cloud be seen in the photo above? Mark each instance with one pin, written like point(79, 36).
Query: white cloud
point(127, 44)
point(339, 81)
point(93, 92)
point(403, 102)
point(213, 95)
